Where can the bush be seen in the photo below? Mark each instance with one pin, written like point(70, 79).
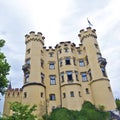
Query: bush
point(88, 112)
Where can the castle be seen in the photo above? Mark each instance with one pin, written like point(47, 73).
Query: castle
point(64, 76)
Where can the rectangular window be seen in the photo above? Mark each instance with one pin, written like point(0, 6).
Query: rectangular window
point(42, 77)
point(51, 54)
point(64, 95)
point(27, 77)
point(99, 55)
point(79, 94)
point(41, 52)
point(66, 49)
point(41, 95)
point(103, 71)
point(71, 94)
point(25, 95)
point(69, 75)
point(84, 76)
point(109, 88)
point(87, 91)
point(67, 61)
point(28, 51)
point(76, 74)
point(74, 61)
point(27, 61)
point(52, 80)
point(13, 94)
point(42, 63)
point(79, 52)
point(52, 97)
point(72, 50)
point(60, 62)
point(90, 75)
point(60, 51)
point(18, 94)
point(52, 65)
point(96, 46)
point(81, 63)
point(86, 58)
point(62, 77)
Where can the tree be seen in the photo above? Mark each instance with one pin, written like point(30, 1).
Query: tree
point(61, 114)
point(21, 112)
point(4, 69)
point(118, 103)
point(88, 112)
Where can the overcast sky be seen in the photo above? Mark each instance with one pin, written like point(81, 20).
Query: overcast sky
point(60, 20)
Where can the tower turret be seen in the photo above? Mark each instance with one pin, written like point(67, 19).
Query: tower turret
point(70, 85)
point(34, 87)
point(99, 83)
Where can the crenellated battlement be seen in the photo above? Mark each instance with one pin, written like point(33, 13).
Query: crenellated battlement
point(67, 43)
point(14, 92)
point(34, 37)
point(89, 32)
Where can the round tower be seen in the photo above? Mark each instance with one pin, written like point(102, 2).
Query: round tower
point(71, 91)
point(99, 83)
point(33, 86)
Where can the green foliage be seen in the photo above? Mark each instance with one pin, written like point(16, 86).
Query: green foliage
point(61, 114)
point(88, 105)
point(101, 108)
point(88, 112)
point(4, 69)
point(118, 103)
point(21, 112)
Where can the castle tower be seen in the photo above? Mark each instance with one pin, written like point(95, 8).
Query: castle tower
point(99, 84)
point(70, 85)
point(34, 87)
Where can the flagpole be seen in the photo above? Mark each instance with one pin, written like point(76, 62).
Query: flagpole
point(89, 23)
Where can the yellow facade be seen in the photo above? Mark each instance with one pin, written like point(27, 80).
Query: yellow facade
point(64, 76)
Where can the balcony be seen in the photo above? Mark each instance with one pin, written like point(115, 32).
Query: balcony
point(26, 67)
point(102, 61)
